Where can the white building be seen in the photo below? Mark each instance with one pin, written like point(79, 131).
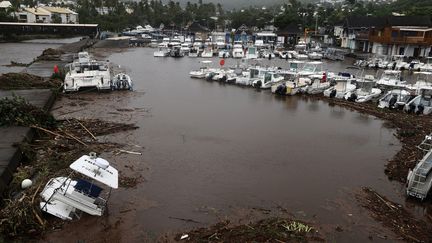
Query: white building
point(34, 15)
point(67, 16)
point(45, 14)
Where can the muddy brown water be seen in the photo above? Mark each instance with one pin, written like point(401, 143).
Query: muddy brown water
point(213, 151)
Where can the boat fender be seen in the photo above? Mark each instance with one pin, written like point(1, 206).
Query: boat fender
point(333, 93)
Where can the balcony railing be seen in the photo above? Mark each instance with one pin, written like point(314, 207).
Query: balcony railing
point(402, 40)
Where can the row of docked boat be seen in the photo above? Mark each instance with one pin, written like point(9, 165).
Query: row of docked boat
point(396, 62)
point(87, 73)
point(173, 47)
point(312, 78)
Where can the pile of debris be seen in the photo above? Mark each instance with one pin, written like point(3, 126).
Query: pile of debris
point(395, 217)
point(266, 230)
point(12, 81)
point(57, 144)
point(50, 54)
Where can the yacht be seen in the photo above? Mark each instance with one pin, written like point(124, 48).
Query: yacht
point(87, 73)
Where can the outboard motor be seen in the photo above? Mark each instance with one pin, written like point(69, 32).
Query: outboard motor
point(223, 79)
point(281, 89)
point(392, 101)
point(352, 97)
point(257, 84)
point(420, 109)
point(333, 93)
point(411, 108)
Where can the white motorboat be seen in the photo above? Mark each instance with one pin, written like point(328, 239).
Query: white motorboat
point(398, 63)
point(301, 45)
point(162, 51)
point(186, 46)
point(202, 72)
point(224, 53)
point(365, 91)
point(342, 87)
point(285, 55)
point(427, 67)
point(419, 180)
point(422, 103)
point(267, 54)
point(193, 52)
point(176, 51)
point(318, 84)
point(298, 55)
point(238, 51)
point(424, 81)
point(251, 53)
point(65, 197)
point(255, 73)
point(315, 56)
point(395, 99)
point(207, 53)
point(122, 81)
point(87, 73)
point(270, 78)
point(291, 87)
point(391, 78)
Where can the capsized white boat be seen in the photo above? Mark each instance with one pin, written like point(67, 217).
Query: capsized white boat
point(419, 180)
point(66, 197)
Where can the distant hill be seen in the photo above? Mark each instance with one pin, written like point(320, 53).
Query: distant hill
point(238, 4)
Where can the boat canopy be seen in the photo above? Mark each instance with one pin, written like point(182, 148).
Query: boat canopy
point(96, 168)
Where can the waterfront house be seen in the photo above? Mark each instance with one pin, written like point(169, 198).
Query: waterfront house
point(65, 15)
point(243, 34)
point(44, 14)
point(410, 36)
point(198, 31)
point(289, 35)
point(34, 15)
point(355, 34)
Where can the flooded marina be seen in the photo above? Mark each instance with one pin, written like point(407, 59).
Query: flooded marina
point(213, 151)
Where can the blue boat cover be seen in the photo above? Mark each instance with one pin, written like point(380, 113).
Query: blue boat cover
point(88, 188)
